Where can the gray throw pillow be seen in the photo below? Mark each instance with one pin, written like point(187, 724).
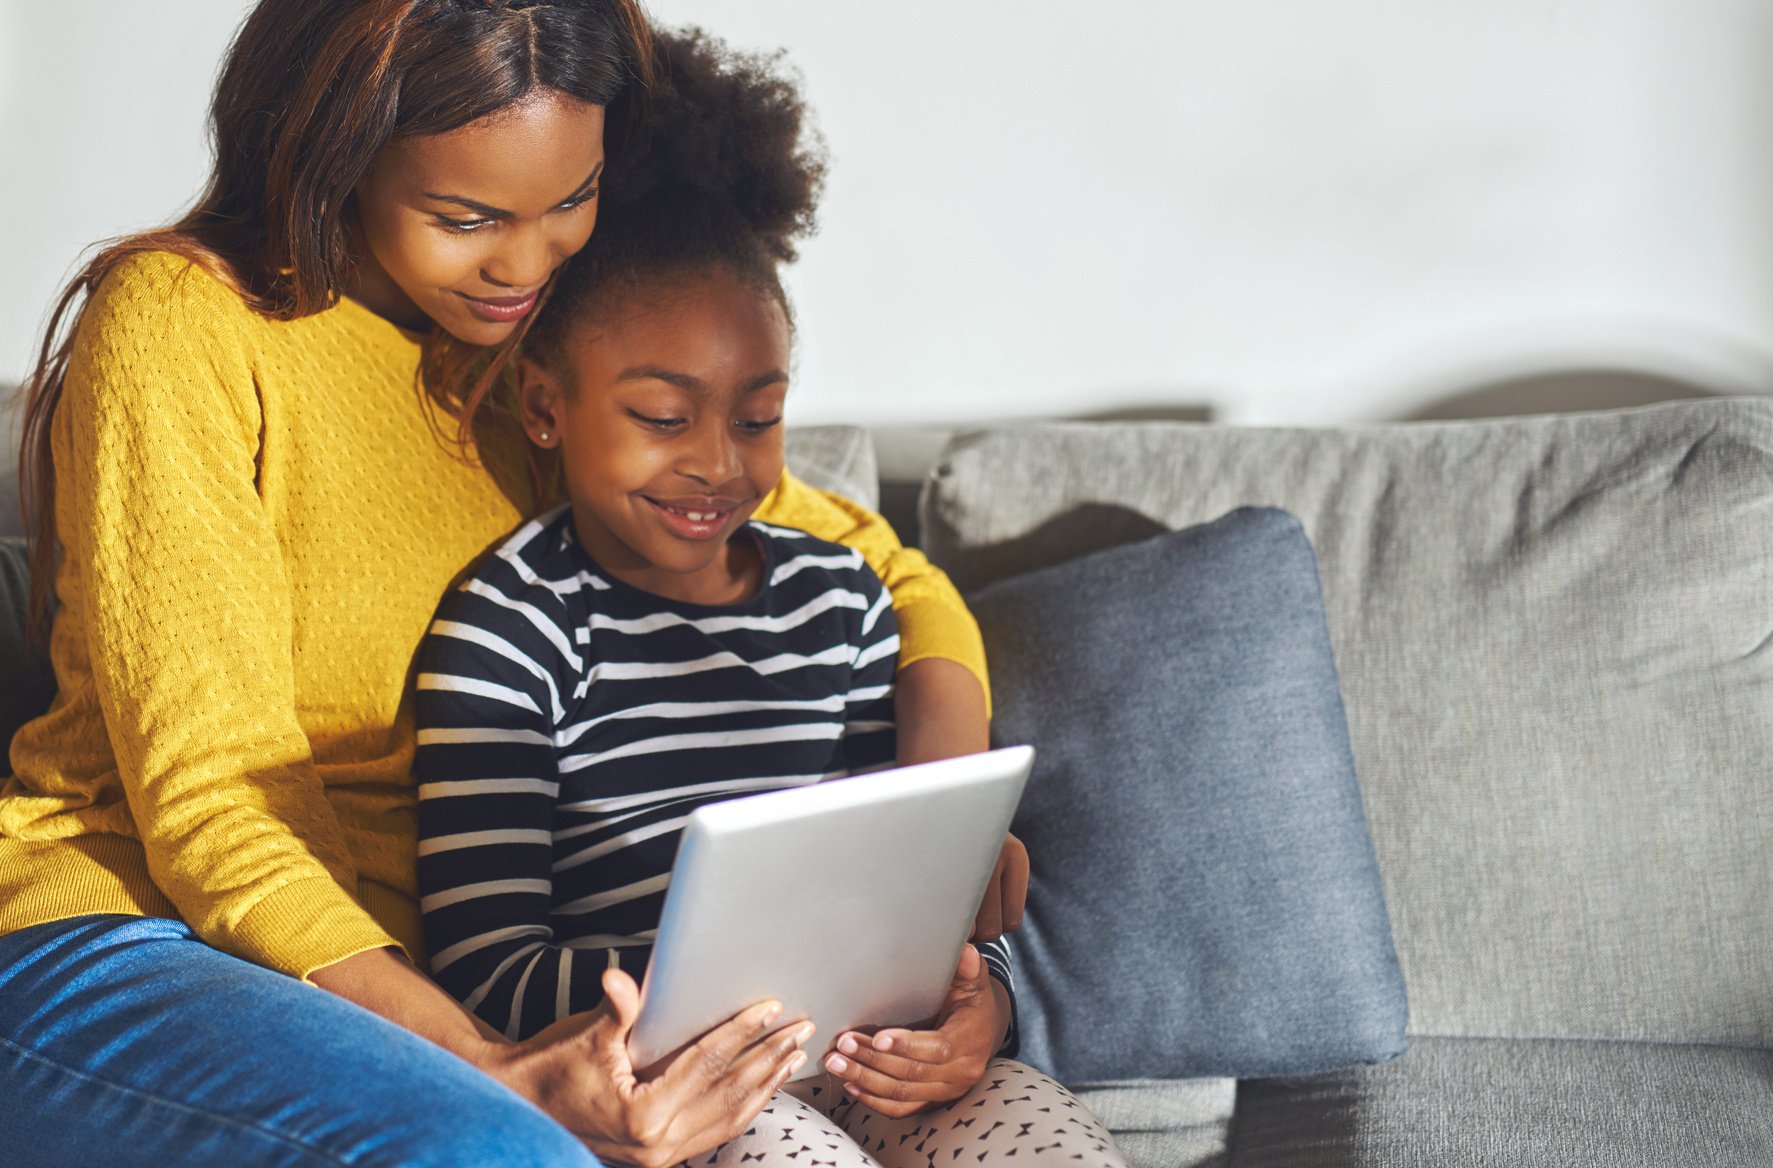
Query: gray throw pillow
point(1205, 898)
point(26, 682)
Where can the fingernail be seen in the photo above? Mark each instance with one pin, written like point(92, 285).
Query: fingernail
point(804, 1033)
point(847, 1044)
point(852, 1088)
point(883, 1042)
point(837, 1064)
point(797, 1062)
point(771, 1014)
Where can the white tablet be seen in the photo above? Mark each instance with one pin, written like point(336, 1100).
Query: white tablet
point(847, 901)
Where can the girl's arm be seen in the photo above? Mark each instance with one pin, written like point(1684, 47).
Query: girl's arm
point(174, 588)
point(944, 709)
point(484, 761)
point(943, 698)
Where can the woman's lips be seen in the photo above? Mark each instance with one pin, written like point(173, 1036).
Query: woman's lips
point(500, 309)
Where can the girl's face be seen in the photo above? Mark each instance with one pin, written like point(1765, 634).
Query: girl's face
point(668, 416)
point(462, 229)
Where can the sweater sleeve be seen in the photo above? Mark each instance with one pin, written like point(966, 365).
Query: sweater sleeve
point(188, 622)
point(933, 619)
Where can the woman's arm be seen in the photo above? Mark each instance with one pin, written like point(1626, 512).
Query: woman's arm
point(178, 580)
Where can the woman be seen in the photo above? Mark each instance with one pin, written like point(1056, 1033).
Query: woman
point(255, 519)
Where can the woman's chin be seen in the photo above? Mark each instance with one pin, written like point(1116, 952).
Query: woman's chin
point(471, 330)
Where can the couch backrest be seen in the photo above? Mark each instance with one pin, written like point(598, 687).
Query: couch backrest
point(1555, 638)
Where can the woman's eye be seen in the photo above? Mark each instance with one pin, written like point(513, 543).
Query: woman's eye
point(579, 200)
point(463, 226)
point(762, 426)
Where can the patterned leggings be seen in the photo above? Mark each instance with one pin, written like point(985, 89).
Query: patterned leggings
point(1014, 1111)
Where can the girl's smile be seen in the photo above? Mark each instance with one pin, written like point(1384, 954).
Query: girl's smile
point(667, 410)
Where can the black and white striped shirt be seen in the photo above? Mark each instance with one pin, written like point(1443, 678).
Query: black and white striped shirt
point(568, 724)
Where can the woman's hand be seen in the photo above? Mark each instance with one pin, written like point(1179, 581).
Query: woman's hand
point(578, 1071)
point(899, 1072)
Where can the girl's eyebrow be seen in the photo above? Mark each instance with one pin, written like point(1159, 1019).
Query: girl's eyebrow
point(491, 212)
point(695, 385)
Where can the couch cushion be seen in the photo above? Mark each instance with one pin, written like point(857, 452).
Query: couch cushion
point(26, 683)
point(1204, 899)
point(1472, 1103)
point(835, 458)
point(1554, 643)
point(11, 523)
point(1182, 1123)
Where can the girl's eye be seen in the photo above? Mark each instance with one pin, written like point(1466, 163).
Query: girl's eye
point(464, 226)
point(760, 427)
point(657, 423)
point(579, 200)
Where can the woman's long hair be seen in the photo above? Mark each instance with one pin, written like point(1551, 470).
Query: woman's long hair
point(310, 93)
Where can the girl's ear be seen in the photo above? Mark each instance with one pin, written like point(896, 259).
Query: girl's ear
point(539, 396)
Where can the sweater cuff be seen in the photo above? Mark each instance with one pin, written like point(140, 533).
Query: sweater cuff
point(305, 926)
point(936, 627)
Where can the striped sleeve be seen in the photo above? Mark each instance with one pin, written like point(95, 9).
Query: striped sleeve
point(997, 964)
point(486, 710)
point(870, 735)
point(932, 616)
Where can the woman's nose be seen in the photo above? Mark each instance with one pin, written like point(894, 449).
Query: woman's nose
point(525, 261)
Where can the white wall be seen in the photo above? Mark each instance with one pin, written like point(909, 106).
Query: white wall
point(1291, 210)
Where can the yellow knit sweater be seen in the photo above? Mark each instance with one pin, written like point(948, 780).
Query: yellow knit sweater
point(258, 521)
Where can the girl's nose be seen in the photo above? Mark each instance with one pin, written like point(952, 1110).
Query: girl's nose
point(713, 457)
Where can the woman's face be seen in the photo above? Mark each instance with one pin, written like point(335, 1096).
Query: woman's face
point(462, 229)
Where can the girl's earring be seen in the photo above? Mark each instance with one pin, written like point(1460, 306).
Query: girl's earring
point(542, 437)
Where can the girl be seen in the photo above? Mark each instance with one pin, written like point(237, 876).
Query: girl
point(649, 647)
point(249, 518)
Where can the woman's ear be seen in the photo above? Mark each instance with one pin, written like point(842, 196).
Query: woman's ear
point(539, 396)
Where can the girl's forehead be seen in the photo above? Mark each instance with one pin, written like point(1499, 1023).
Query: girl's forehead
point(711, 328)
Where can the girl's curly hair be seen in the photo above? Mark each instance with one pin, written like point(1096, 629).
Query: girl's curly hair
point(725, 172)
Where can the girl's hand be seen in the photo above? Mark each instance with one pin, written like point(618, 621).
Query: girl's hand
point(899, 1072)
point(578, 1071)
point(1001, 910)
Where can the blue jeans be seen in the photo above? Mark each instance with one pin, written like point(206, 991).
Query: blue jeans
point(125, 1041)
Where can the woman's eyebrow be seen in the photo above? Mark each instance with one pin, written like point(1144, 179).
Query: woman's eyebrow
point(492, 212)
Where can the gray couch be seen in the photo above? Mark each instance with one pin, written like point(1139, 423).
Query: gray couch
point(1555, 638)
point(1556, 645)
